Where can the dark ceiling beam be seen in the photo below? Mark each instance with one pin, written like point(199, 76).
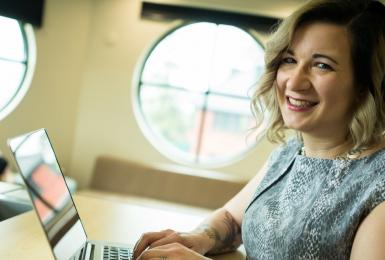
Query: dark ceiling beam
point(27, 11)
point(168, 12)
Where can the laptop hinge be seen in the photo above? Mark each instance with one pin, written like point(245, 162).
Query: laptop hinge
point(88, 251)
point(80, 253)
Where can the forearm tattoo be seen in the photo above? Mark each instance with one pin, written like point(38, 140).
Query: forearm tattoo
point(229, 240)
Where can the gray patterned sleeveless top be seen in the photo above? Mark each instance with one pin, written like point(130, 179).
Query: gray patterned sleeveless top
point(310, 208)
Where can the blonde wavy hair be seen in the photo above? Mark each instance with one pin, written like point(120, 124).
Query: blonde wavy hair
point(365, 21)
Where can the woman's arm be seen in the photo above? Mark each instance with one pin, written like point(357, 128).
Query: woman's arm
point(237, 205)
point(369, 242)
point(223, 227)
point(219, 233)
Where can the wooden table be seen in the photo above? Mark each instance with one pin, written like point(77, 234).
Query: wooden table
point(104, 218)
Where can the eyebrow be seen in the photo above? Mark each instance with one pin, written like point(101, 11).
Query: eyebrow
point(316, 55)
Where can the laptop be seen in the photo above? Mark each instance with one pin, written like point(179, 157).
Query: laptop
point(53, 203)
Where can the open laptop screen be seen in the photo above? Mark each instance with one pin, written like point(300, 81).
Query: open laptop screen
point(49, 193)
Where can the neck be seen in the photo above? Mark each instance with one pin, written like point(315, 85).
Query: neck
point(327, 148)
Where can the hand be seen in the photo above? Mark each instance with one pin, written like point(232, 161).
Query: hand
point(174, 251)
point(196, 242)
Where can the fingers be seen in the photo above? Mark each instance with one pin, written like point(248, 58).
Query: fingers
point(147, 239)
point(169, 251)
point(154, 253)
point(172, 237)
point(174, 251)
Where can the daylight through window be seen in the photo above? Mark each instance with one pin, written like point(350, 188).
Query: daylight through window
point(194, 93)
point(15, 63)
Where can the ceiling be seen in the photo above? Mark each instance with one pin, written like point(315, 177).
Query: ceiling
point(271, 8)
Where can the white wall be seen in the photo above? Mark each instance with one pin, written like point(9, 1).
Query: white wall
point(53, 98)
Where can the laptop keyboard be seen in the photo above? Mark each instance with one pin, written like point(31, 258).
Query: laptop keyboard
point(116, 253)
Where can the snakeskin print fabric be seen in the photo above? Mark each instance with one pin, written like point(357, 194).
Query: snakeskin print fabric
point(310, 208)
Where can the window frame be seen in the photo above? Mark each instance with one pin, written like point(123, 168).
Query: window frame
point(168, 150)
point(26, 79)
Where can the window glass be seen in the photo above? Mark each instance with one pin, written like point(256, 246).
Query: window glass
point(173, 116)
point(16, 63)
point(183, 58)
point(225, 128)
point(10, 80)
point(12, 42)
point(193, 93)
point(237, 61)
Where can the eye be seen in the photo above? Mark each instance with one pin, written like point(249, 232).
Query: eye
point(288, 60)
point(323, 66)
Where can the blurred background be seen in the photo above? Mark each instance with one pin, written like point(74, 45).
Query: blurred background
point(154, 82)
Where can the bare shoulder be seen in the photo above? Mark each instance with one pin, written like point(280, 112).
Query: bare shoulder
point(370, 238)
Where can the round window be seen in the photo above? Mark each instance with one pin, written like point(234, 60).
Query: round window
point(16, 63)
point(193, 93)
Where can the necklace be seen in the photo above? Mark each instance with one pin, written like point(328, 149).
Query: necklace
point(350, 155)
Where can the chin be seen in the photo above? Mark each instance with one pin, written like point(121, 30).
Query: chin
point(296, 126)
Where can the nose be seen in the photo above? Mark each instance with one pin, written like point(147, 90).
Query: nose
point(298, 79)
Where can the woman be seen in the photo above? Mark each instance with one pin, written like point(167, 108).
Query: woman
point(321, 194)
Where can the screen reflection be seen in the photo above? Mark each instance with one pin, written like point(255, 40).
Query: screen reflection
point(43, 178)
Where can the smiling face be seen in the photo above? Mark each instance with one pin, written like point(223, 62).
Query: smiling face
point(315, 80)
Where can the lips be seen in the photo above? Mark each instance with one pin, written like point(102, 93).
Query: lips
point(300, 103)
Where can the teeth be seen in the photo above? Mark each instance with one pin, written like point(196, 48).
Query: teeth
point(300, 103)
